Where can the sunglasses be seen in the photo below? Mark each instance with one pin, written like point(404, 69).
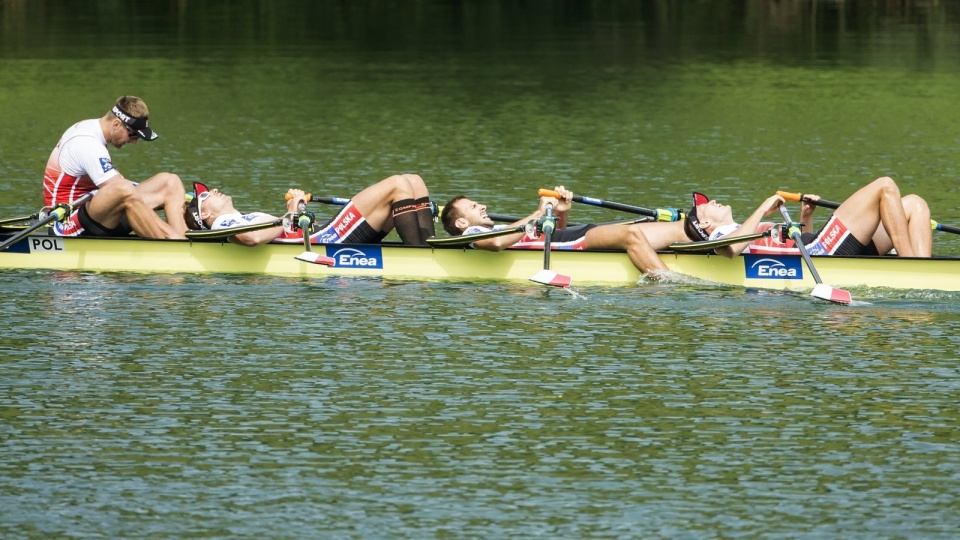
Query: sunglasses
point(202, 197)
point(130, 132)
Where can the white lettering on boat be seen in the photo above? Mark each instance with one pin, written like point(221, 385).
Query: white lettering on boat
point(353, 257)
point(770, 268)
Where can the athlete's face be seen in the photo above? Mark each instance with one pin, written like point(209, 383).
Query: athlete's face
point(472, 213)
point(122, 134)
point(714, 213)
point(214, 203)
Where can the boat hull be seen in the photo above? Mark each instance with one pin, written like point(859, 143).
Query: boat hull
point(466, 264)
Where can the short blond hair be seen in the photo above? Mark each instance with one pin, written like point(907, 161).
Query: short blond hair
point(133, 105)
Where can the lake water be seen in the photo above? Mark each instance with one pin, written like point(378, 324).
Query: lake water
point(185, 406)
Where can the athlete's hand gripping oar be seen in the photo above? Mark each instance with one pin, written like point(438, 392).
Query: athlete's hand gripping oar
point(59, 212)
point(798, 197)
point(821, 291)
point(303, 220)
point(660, 214)
point(546, 276)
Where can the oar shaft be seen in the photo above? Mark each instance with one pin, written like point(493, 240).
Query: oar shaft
point(16, 237)
point(661, 214)
point(470, 238)
point(58, 213)
point(10, 221)
point(549, 225)
point(794, 233)
point(232, 231)
point(325, 200)
point(937, 226)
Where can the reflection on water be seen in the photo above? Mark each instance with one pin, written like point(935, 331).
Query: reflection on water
point(240, 403)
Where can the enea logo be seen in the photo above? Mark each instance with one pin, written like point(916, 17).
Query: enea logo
point(767, 267)
point(358, 257)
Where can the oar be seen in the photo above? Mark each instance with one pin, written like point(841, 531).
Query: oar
point(231, 231)
point(821, 290)
point(660, 214)
point(304, 223)
point(710, 245)
point(546, 276)
point(59, 212)
point(470, 238)
point(11, 221)
point(797, 197)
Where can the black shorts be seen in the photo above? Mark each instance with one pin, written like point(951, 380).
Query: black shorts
point(364, 234)
point(571, 234)
point(849, 246)
point(92, 228)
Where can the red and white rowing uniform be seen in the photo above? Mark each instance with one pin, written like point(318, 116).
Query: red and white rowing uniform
point(78, 165)
point(832, 239)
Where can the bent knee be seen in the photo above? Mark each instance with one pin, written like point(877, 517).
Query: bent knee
point(171, 180)
point(916, 206)
point(887, 184)
point(405, 185)
point(412, 181)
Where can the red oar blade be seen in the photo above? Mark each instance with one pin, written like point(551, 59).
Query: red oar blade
point(315, 258)
point(831, 294)
point(549, 277)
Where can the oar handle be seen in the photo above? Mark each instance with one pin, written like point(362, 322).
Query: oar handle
point(661, 214)
point(324, 200)
point(797, 197)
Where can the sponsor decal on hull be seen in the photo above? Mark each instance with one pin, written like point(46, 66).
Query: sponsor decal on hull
point(773, 267)
point(355, 256)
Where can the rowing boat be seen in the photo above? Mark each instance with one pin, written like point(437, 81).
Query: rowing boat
point(391, 260)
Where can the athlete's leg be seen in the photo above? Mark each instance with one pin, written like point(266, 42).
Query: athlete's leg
point(629, 238)
point(118, 198)
point(423, 206)
point(660, 234)
point(390, 203)
point(918, 223)
point(165, 190)
point(877, 202)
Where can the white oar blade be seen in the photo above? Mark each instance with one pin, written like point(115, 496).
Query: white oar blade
point(315, 258)
point(831, 294)
point(549, 277)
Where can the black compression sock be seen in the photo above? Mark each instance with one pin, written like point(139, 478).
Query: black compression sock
point(425, 218)
point(405, 222)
